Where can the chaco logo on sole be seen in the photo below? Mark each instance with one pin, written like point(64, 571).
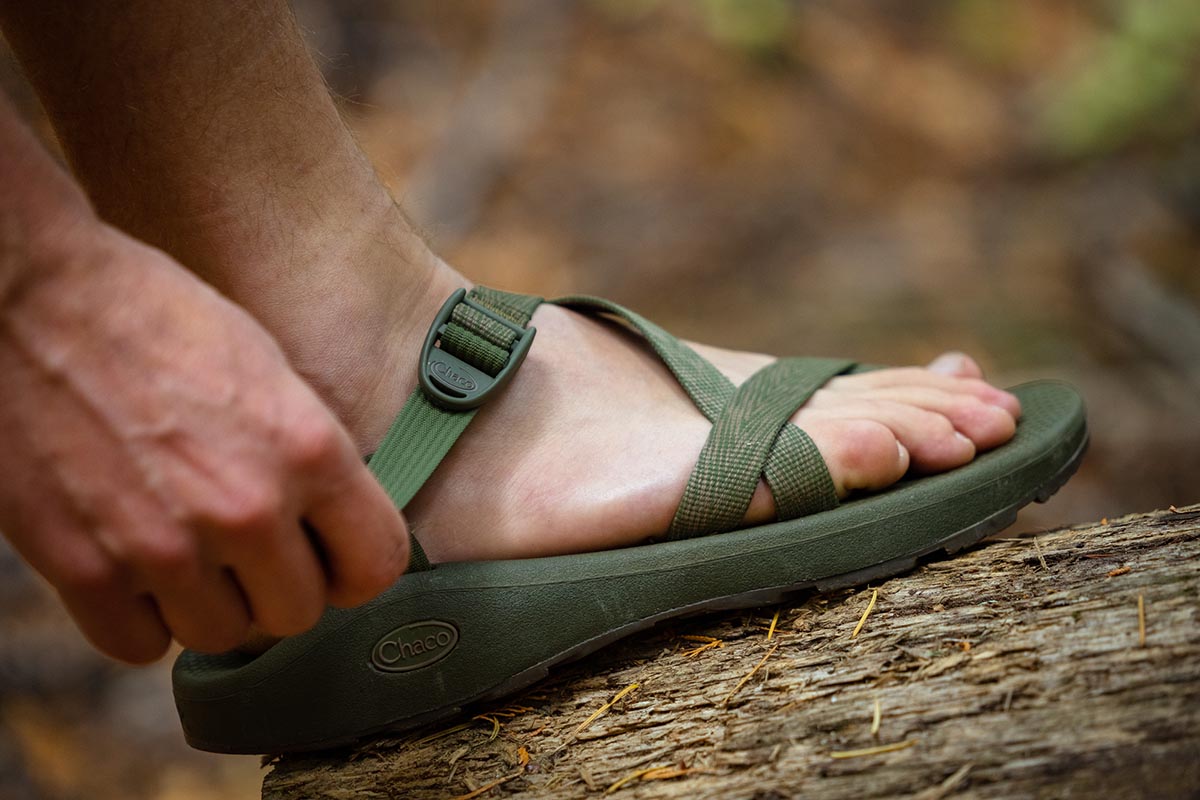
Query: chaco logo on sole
point(415, 645)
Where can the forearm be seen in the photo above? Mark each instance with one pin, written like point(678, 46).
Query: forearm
point(167, 108)
point(156, 442)
point(40, 205)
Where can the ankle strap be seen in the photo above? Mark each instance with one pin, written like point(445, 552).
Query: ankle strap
point(474, 347)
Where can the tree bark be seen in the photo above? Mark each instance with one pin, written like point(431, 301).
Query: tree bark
point(1017, 669)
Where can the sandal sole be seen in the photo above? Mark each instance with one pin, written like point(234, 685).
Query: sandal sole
point(461, 634)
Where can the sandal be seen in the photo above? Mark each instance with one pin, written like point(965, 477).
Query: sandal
point(445, 637)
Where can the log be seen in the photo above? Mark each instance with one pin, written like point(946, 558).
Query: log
point(1061, 663)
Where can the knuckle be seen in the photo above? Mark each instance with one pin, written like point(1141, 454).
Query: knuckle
point(977, 387)
point(165, 554)
point(91, 576)
point(970, 406)
point(978, 415)
point(253, 508)
point(312, 441)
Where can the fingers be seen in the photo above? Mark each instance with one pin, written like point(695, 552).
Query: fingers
point(363, 536)
point(205, 609)
point(123, 625)
point(281, 578)
point(117, 619)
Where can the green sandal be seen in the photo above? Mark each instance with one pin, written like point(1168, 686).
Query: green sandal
point(453, 635)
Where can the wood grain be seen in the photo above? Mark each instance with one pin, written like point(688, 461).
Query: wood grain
point(1013, 670)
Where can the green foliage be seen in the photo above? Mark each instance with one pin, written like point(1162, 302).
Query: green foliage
point(1138, 81)
point(752, 26)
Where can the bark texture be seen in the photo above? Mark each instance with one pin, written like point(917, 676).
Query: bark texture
point(1017, 669)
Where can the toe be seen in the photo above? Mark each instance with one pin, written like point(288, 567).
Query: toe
point(870, 383)
point(956, 364)
point(930, 438)
point(985, 424)
point(985, 421)
point(860, 453)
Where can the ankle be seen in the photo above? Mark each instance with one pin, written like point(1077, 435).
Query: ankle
point(347, 294)
point(371, 391)
point(355, 330)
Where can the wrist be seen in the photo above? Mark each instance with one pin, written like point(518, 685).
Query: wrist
point(40, 248)
point(44, 215)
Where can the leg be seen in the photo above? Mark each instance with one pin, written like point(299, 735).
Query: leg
point(208, 132)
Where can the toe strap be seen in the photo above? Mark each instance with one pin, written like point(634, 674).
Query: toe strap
point(751, 436)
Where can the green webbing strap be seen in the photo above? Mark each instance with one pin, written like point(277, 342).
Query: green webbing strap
point(708, 388)
point(418, 440)
point(751, 435)
point(424, 432)
point(800, 484)
point(796, 475)
point(743, 437)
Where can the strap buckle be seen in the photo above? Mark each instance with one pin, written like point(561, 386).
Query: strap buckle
point(455, 385)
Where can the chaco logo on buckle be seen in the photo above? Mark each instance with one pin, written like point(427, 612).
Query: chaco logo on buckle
point(451, 376)
point(415, 645)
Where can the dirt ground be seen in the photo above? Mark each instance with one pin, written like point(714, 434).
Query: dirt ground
point(879, 180)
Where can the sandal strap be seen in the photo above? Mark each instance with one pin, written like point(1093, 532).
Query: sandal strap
point(424, 431)
point(483, 336)
point(743, 438)
point(795, 473)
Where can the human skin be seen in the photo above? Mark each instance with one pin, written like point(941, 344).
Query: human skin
point(205, 130)
point(159, 453)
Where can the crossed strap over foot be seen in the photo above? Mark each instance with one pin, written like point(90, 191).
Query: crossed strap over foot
point(477, 343)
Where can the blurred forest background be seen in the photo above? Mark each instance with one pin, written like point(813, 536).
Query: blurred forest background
point(880, 179)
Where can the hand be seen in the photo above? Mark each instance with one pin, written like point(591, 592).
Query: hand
point(160, 456)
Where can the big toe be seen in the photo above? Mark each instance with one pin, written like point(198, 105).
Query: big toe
point(860, 453)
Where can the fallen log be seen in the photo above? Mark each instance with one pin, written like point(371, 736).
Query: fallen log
point(1066, 662)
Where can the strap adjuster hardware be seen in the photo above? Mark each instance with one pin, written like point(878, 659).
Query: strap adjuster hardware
point(455, 385)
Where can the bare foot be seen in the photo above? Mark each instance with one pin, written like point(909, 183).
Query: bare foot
point(591, 445)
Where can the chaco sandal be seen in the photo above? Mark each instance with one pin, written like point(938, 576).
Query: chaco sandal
point(447, 636)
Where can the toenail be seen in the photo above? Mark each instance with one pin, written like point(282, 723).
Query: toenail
point(948, 364)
